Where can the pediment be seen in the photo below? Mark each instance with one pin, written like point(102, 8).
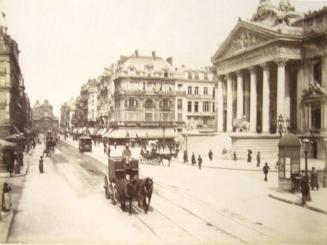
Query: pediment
point(242, 39)
point(314, 93)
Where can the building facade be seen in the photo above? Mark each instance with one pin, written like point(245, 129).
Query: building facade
point(196, 99)
point(92, 102)
point(67, 111)
point(14, 103)
point(43, 117)
point(105, 98)
point(274, 65)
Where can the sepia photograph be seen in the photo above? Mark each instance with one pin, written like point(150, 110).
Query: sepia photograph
point(163, 122)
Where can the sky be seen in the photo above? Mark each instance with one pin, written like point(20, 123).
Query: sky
point(63, 43)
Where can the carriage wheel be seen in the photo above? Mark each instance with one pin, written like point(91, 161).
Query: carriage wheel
point(114, 194)
point(106, 188)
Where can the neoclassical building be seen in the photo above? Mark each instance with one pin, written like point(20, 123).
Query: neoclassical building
point(43, 117)
point(275, 64)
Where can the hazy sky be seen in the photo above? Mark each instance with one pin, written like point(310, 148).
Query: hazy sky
point(65, 42)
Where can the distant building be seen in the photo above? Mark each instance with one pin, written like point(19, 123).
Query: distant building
point(67, 111)
point(196, 99)
point(92, 102)
point(43, 117)
point(105, 101)
point(14, 102)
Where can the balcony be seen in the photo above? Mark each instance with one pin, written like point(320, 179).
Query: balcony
point(144, 92)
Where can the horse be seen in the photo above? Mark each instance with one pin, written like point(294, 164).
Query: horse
point(127, 190)
point(145, 193)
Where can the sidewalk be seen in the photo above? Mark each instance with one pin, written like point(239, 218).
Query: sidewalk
point(318, 201)
point(15, 183)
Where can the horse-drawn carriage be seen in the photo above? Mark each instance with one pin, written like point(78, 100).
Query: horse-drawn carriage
point(122, 183)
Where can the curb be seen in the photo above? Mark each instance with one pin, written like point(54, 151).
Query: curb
point(312, 208)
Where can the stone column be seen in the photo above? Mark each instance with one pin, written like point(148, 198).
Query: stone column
point(287, 101)
point(239, 108)
point(229, 123)
point(220, 106)
point(265, 98)
point(253, 100)
point(281, 88)
point(309, 117)
point(300, 115)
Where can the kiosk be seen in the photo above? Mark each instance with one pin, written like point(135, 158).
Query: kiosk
point(289, 157)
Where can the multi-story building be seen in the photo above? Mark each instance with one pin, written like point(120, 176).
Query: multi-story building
point(13, 108)
point(43, 117)
point(274, 66)
point(67, 111)
point(196, 99)
point(92, 102)
point(105, 97)
point(144, 96)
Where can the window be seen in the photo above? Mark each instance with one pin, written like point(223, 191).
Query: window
point(189, 76)
point(213, 107)
point(196, 76)
point(205, 91)
point(148, 104)
point(205, 121)
point(205, 76)
point(317, 72)
point(196, 90)
point(213, 92)
point(180, 86)
point(189, 90)
point(179, 104)
point(166, 74)
point(189, 106)
point(205, 106)
point(131, 103)
point(164, 104)
point(196, 106)
point(179, 117)
point(117, 103)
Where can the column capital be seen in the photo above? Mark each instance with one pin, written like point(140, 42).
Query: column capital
point(239, 73)
point(265, 66)
point(281, 62)
point(228, 76)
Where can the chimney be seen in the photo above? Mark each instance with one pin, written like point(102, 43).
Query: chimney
point(170, 60)
point(153, 54)
point(136, 53)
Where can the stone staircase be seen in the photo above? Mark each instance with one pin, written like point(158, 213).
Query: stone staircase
point(266, 144)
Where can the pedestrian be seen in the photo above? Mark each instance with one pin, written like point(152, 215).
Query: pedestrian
point(314, 179)
point(234, 156)
point(210, 155)
point(266, 170)
point(249, 156)
point(193, 159)
point(200, 161)
point(258, 159)
point(6, 198)
point(185, 156)
point(305, 190)
point(41, 165)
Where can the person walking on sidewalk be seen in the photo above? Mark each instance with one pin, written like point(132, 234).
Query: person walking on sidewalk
point(193, 159)
point(305, 190)
point(185, 157)
point(6, 198)
point(200, 161)
point(41, 165)
point(266, 170)
point(249, 156)
point(210, 155)
point(314, 179)
point(258, 159)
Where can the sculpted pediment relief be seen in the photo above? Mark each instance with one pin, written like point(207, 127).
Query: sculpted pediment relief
point(242, 40)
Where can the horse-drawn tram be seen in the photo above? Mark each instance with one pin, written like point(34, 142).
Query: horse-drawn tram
point(122, 183)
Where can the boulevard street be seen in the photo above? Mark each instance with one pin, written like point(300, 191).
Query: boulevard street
point(67, 203)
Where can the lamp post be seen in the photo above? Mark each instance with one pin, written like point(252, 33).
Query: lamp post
point(325, 175)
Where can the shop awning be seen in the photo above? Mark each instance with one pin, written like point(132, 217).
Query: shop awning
point(6, 145)
point(142, 133)
point(107, 133)
point(15, 137)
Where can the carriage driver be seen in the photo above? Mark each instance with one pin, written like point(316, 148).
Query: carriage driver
point(127, 154)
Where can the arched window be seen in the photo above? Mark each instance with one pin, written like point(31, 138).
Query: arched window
point(131, 103)
point(148, 104)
